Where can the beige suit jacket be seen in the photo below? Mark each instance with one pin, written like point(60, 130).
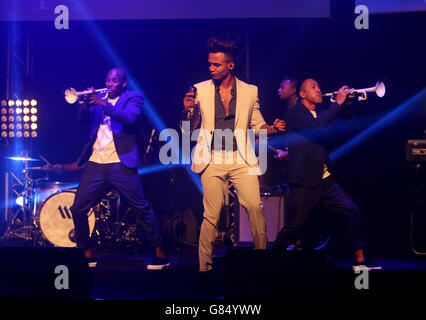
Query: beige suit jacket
point(247, 116)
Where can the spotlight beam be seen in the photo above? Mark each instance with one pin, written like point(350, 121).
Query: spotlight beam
point(116, 60)
point(396, 115)
point(349, 127)
point(407, 108)
point(157, 168)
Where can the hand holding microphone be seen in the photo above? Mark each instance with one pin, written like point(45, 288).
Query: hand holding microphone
point(150, 141)
point(189, 100)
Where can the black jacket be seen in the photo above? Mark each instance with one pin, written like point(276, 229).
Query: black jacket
point(306, 139)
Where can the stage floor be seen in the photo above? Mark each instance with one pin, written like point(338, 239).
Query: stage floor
point(125, 277)
point(249, 274)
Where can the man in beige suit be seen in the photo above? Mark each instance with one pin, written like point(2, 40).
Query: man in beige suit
point(226, 105)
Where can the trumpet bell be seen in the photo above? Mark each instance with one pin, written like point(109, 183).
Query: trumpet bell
point(380, 89)
point(71, 95)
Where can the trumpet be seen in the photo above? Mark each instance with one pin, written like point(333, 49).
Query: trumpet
point(71, 96)
point(361, 94)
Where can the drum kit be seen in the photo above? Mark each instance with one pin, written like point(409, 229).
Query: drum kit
point(44, 215)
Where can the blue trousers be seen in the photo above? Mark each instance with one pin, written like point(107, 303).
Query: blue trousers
point(96, 181)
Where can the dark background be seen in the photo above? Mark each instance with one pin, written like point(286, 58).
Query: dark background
point(166, 56)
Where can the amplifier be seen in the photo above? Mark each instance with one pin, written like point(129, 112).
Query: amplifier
point(416, 150)
point(274, 207)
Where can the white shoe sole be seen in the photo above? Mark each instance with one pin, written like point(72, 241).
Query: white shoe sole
point(355, 268)
point(157, 267)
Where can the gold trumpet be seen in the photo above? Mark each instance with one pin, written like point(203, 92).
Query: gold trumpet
point(361, 94)
point(71, 96)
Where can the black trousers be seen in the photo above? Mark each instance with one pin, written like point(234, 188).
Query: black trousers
point(96, 181)
point(328, 195)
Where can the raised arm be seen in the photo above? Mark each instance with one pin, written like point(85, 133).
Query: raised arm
point(191, 111)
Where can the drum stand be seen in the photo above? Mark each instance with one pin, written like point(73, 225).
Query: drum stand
point(24, 228)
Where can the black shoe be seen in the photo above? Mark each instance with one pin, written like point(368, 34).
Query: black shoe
point(158, 263)
point(206, 277)
point(92, 263)
point(294, 247)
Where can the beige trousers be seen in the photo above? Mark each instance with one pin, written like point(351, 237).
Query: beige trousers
point(213, 180)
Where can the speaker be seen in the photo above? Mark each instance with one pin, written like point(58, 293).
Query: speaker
point(307, 276)
point(267, 274)
point(274, 207)
point(43, 273)
point(417, 227)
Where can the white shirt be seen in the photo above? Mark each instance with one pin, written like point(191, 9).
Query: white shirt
point(104, 148)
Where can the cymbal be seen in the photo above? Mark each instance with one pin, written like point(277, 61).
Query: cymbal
point(45, 168)
point(51, 169)
point(22, 159)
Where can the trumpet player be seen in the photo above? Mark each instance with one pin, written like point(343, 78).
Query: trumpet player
point(112, 161)
point(309, 172)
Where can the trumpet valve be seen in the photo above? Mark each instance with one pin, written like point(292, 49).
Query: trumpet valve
point(362, 95)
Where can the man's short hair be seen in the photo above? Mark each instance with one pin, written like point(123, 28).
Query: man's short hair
point(122, 74)
point(302, 84)
point(229, 48)
point(313, 77)
point(293, 81)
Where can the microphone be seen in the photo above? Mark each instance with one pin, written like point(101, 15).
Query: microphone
point(192, 90)
point(150, 141)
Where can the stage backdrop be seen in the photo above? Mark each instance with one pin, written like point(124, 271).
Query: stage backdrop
point(163, 57)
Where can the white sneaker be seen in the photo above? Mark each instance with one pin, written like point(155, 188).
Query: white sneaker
point(158, 263)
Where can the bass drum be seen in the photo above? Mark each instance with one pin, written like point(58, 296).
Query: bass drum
point(45, 188)
point(56, 221)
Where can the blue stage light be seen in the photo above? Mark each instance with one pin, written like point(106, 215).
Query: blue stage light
point(19, 201)
point(416, 102)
